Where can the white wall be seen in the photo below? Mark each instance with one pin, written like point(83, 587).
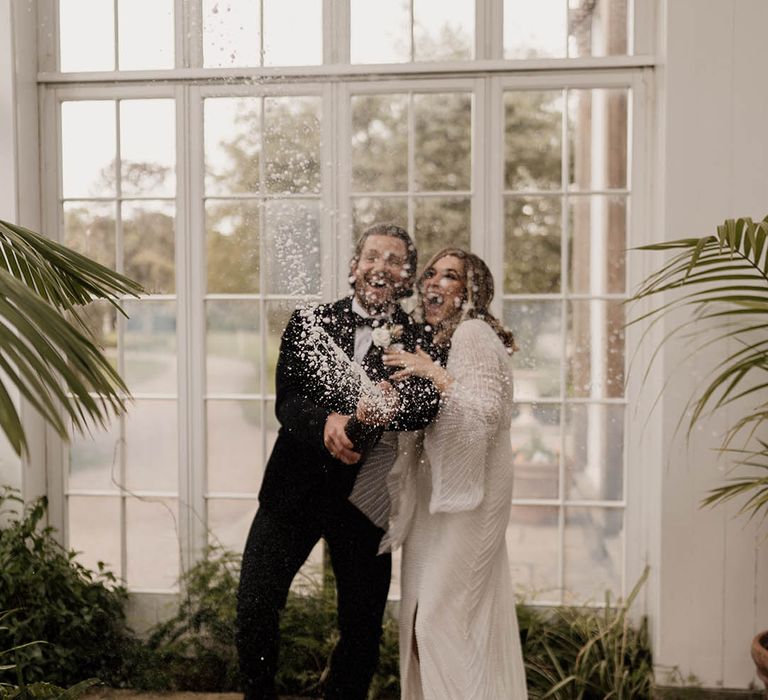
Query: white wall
point(10, 465)
point(20, 192)
point(711, 582)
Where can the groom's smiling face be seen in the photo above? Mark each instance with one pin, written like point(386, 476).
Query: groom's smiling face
point(380, 272)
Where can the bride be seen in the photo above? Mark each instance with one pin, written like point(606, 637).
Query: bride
point(451, 494)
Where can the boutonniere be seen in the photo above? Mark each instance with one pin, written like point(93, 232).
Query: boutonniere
point(384, 336)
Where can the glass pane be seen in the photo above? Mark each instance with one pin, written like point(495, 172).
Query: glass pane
point(100, 318)
point(533, 546)
point(535, 28)
point(441, 222)
point(149, 248)
point(597, 136)
point(596, 349)
point(232, 137)
point(231, 33)
point(380, 31)
point(538, 333)
point(232, 250)
point(367, 211)
point(532, 245)
point(86, 35)
point(150, 346)
point(94, 459)
point(148, 156)
point(535, 434)
point(151, 446)
point(598, 27)
point(145, 34)
point(152, 542)
point(278, 313)
point(533, 140)
point(380, 143)
point(288, 42)
point(93, 529)
point(229, 521)
point(593, 554)
point(233, 347)
point(443, 142)
point(271, 426)
point(292, 144)
point(292, 246)
point(443, 30)
point(594, 452)
point(597, 244)
point(234, 446)
point(89, 228)
point(88, 146)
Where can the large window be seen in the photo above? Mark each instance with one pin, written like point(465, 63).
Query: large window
point(231, 175)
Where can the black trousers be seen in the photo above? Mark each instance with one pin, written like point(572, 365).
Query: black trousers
point(274, 552)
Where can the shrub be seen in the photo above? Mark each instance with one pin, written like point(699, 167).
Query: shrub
point(78, 613)
point(586, 654)
point(195, 649)
point(570, 653)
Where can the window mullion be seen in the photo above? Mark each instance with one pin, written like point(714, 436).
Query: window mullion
point(411, 163)
point(493, 202)
point(336, 31)
point(489, 29)
point(116, 31)
point(48, 39)
point(479, 177)
point(189, 327)
point(333, 132)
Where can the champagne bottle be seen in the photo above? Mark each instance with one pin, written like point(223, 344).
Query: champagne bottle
point(363, 435)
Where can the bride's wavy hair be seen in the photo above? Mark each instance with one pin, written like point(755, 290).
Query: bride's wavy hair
point(478, 294)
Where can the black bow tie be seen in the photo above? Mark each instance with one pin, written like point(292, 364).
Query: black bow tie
point(369, 321)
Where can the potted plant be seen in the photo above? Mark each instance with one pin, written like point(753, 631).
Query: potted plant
point(722, 280)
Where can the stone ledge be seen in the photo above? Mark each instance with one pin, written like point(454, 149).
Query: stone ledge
point(673, 693)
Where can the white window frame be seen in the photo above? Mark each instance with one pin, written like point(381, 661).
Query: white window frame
point(336, 81)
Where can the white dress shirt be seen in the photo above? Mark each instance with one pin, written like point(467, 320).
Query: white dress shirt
point(363, 334)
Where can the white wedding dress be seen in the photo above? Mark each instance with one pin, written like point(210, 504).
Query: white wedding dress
point(450, 507)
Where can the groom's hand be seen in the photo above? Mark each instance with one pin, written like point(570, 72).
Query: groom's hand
point(336, 440)
point(379, 410)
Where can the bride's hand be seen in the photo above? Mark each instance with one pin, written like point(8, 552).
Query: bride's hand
point(417, 364)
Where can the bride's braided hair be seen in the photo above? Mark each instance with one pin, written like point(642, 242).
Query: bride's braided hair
point(478, 282)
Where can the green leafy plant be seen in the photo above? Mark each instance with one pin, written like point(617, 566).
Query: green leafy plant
point(570, 653)
point(77, 613)
point(722, 281)
point(587, 654)
point(46, 351)
point(25, 691)
point(194, 650)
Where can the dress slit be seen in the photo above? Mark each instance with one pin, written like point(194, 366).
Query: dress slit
point(414, 638)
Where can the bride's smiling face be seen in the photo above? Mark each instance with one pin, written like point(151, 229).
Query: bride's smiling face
point(443, 289)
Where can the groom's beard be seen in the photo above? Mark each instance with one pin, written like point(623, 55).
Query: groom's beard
point(369, 301)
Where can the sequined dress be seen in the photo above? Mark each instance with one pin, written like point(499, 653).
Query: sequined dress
point(451, 502)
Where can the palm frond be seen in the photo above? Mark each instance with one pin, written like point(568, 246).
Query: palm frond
point(716, 278)
point(59, 275)
point(46, 350)
point(754, 485)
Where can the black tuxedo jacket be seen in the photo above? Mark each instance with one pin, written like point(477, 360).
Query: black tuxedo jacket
point(300, 467)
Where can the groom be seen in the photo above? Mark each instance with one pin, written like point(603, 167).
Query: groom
point(314, 464)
